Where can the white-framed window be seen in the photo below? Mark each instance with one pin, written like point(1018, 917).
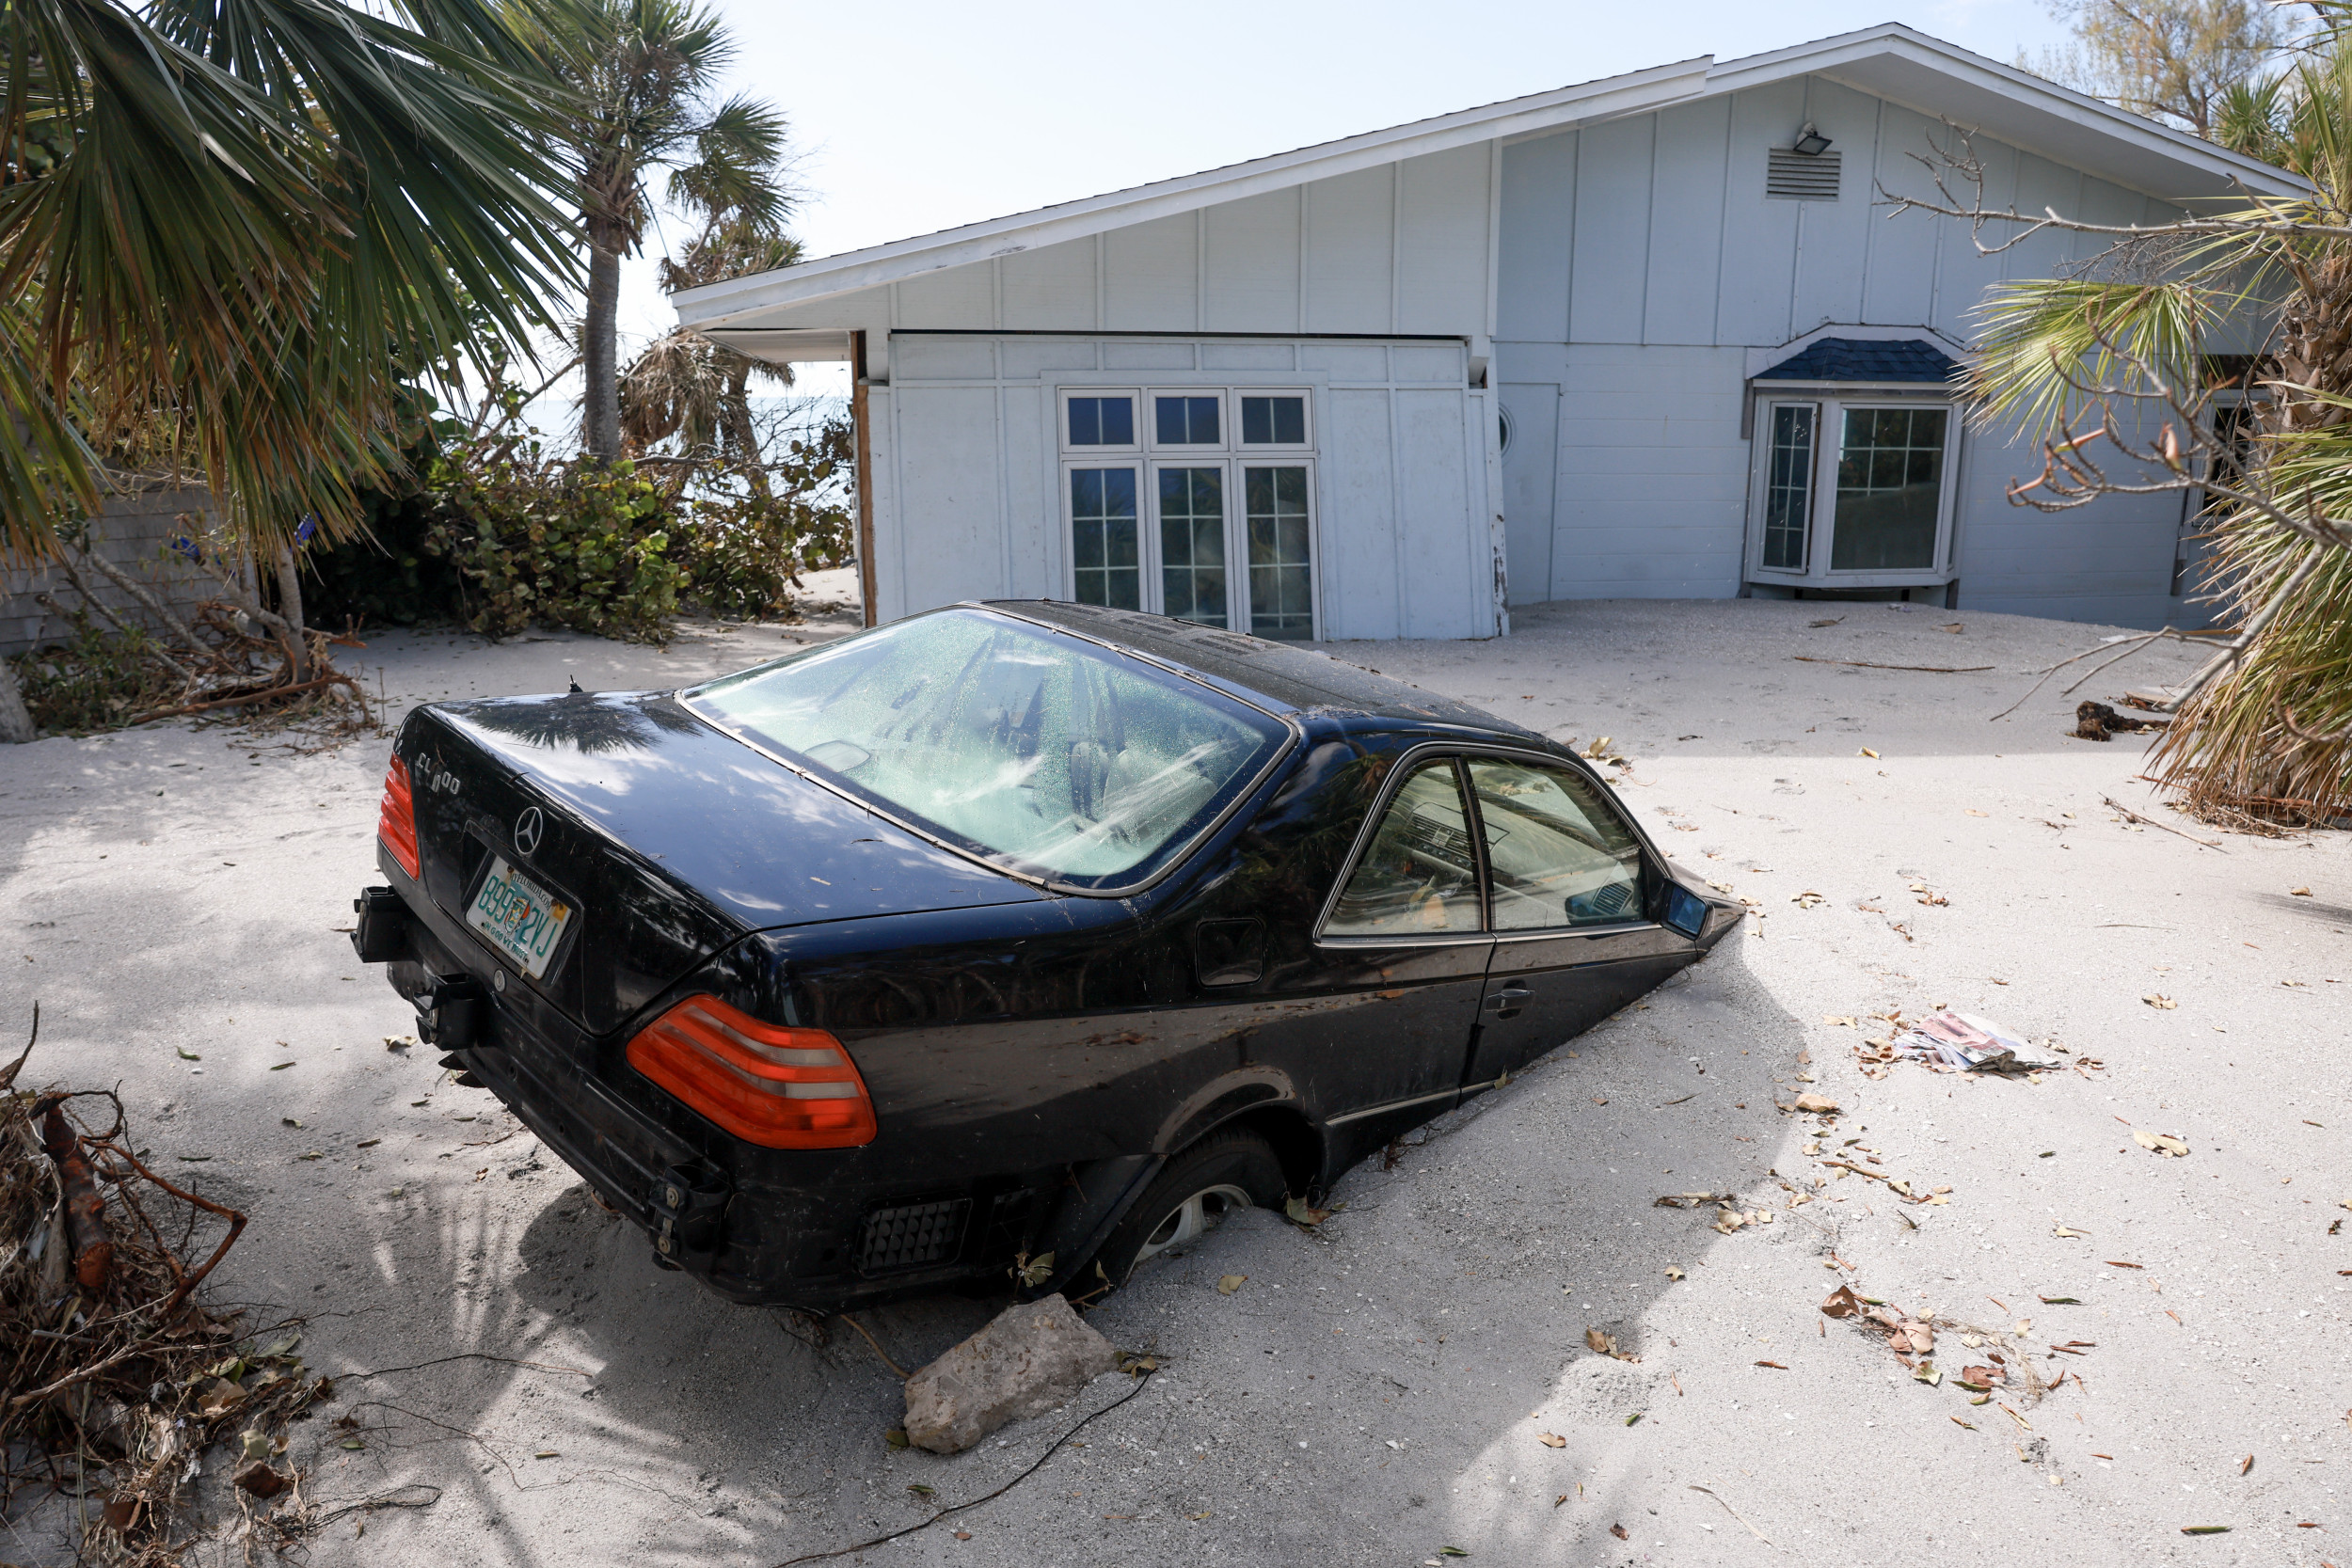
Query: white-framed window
point(1275, 417)
point(1189, 418)
point(1103, 419)
point(1852, 488)
point(1206, 512)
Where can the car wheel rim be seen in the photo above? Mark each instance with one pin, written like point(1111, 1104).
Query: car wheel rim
point(1193, 1219)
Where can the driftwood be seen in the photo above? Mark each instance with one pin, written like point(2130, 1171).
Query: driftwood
point(84, 1210)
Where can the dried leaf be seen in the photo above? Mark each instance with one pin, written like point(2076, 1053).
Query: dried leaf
point(1841, 1303)
point(2246, 1465)
point(2166, 1144)
point(1299, 1213)
point(1774, 1365)
point(1868, 752)
point(919, 1489)
point(1816, 1105)
point(2204, 1529)
point(2069, 1231)
point(1619, 1531)
point(2298, 893)
point(1970, 1425)
point(2061, 1301)
point(896, 1439)
point(1551, 1441)
point(1231, 1283)
point(1673, 1270)
point(2162, 1002)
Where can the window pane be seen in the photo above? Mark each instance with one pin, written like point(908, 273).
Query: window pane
point(1274, 421)
point(1890, 484)
point(1102, 538)
point(1420, 874)
point(1789, 487)
point(1192, 544)
point(1038, 751)
point(1559, 855)
point(1102, 421)
point(1186, 421)
point(1281, 573)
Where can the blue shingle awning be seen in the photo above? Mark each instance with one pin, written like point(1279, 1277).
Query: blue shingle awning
point(1865, 359)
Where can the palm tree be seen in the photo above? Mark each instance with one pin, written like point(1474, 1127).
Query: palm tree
point(228, 230)
point(643, 71)
point(685, 386)
point(2117, 369)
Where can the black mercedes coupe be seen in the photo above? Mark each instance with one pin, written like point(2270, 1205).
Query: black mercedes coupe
point(1011, 942)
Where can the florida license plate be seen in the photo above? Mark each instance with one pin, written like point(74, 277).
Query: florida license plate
point(518, 917)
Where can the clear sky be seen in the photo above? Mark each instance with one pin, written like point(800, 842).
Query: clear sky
point(920, 115)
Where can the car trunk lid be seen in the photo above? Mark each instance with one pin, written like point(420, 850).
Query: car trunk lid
point(666, 839)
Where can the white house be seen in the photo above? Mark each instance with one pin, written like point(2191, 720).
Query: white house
point(1658, 335)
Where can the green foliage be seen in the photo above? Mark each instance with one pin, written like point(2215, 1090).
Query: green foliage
point(98, 679)
point(495, 535)
point(565, 542)
point(745, 547)
point(227, 224)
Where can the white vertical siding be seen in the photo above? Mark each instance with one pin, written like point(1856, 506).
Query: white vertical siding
point(1686, 224)
point(1901, 271)
point(1442, 266)
point(1349, 252)
point(1833, 237)
point(1050, 289)
point(1405, 512)
point(1151, 276)
point(1759, 271)
point(1610, 243)
point(1251, 253)
point(1538, 235)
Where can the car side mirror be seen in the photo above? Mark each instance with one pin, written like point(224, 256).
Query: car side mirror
point(1229, 952)
point(1686, 911)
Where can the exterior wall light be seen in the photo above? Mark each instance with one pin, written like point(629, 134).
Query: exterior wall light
point(1811, 142)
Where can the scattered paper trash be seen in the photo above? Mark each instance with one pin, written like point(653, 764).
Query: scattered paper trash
point(1967, 1043)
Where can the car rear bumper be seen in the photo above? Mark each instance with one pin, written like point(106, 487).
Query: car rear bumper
point(798, 1235)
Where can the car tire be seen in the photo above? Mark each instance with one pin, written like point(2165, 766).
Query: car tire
point(1195, 1190)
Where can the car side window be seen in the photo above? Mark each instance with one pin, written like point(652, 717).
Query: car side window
point(1558, 853)
point(1419, 876)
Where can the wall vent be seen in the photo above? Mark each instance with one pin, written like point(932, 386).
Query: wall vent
point(1791, 176)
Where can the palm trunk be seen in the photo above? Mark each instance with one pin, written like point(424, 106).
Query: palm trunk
point(16, 724)
point(290, 609)
point(736, 409)
point(600, 416)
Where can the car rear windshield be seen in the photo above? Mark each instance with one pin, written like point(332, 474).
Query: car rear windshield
point(1034, 748)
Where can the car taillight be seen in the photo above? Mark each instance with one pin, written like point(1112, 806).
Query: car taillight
point(396, 818)
point(768, 1085)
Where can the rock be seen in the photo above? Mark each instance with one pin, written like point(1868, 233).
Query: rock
point(1029, 1360)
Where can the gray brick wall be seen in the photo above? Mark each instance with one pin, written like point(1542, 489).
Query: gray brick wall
point(135, 533)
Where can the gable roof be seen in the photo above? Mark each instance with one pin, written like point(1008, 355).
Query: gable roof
point(1889, 61)
point(1864, 360)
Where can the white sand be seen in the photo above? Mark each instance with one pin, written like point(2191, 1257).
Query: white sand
point(1375, 1393)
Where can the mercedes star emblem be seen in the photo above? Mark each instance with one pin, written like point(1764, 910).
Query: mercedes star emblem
point(528, 827)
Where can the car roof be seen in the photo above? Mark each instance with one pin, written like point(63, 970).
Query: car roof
point(1280, 675)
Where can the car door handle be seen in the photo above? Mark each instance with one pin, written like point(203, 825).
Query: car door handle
point(1508, 1001)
